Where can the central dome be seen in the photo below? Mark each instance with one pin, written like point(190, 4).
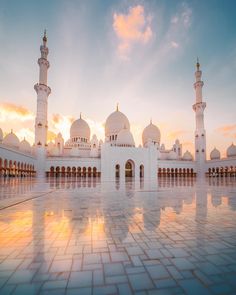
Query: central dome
point(151, 132)
point(80, 129)
point(125, 138)
point(115, 123)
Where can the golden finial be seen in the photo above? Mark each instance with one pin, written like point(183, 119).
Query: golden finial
point(80, 115)
point(198, 64)
point(151, 121)
point(45, 36)
point(117, 107)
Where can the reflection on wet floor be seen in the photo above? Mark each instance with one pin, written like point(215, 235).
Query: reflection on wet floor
point(84, 236)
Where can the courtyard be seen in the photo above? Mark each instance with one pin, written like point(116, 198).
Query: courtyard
point(83, 236)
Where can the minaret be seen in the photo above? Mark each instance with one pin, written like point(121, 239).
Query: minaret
point(43, 91)
point(200, 133)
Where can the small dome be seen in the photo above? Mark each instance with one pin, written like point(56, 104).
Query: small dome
point(125, 138)
point(115, 123)
point(59, 135)
point(25, 146)
point(172, 155)
point(80, 129)
point(1, 135)
point(215, 154)
point(187, 156)
point(11, 140)
point(231, 151)
point(151, 132)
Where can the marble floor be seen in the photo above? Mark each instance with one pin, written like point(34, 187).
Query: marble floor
point(73, 236)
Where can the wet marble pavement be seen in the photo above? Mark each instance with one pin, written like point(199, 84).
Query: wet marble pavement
point(73, 236)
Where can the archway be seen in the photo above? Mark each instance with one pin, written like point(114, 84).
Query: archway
point(129, 169)
point(117, 170)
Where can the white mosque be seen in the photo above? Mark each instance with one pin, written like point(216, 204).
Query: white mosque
point(116, 156)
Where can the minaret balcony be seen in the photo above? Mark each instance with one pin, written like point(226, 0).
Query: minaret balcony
point(42, 88)
point(199, 107)
point(43, 61)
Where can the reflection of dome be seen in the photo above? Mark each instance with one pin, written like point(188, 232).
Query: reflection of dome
point(25, 146)
point(215, 154)
point(1, 135)
point(172, 155)
point(187, 156)
point(151, 132)
point(116, 122)
point(80, 130)
point(12, 140)
point(125, 138)
point(231, 151)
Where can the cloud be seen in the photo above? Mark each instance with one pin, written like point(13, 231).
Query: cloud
point(227, 130)
point(26, 133)
point(51, 135)
point(10, 111)
point(61, 123)
point(132, 28)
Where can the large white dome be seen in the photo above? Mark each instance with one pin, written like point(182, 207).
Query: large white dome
point(11, 140)
point(231, 151)
point(25, 146)
point(215, 154)
point(125, 138)
point(187, 156)
point(115, 123)
point(151, 132)
point(80, 129)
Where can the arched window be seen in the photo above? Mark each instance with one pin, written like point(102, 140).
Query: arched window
point(117, 172)
point(141, 171)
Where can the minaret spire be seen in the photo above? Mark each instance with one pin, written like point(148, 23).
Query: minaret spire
point(43, 91)
point(200, 133)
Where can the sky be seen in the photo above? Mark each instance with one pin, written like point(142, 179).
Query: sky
point(140, 54)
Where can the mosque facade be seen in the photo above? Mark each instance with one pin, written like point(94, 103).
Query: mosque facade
point(116, 156)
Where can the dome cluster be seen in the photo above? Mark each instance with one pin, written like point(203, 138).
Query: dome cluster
point(12, 141)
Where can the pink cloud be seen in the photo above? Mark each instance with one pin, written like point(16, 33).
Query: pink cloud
point(133, 27)
point(227, 130)
point(10, 111)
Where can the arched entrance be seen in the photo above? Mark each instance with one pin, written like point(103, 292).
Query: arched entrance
point(129, 169)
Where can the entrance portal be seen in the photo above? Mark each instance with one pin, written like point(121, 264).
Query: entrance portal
point(129, 169)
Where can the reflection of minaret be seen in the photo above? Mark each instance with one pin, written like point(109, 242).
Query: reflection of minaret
point(43, 91)
point(201, 211)
point(38, 227)
point(200, 133)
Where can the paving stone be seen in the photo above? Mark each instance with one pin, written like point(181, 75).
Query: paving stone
point(140, 281)
point(157, 271)
point(80, 279)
